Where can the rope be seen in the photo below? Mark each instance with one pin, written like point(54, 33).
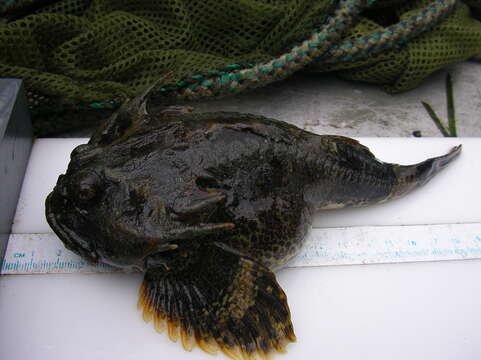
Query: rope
point(320, 46)
point(278, 68)
point(391, 36)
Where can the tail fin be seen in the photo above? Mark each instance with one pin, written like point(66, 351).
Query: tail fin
point(411, 177)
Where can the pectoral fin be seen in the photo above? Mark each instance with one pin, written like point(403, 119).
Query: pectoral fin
point(198, 205)
point(217, 299)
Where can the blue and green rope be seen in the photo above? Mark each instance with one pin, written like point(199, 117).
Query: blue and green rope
point(323, 47)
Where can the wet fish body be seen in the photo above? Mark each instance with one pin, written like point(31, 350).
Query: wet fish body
point(208, 205)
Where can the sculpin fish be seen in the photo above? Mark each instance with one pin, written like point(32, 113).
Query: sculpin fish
point(208, 205)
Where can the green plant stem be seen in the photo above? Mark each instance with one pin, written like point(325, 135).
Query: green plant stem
point(435, 118)
point(450, 106)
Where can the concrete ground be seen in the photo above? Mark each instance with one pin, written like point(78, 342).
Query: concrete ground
point(325, 104)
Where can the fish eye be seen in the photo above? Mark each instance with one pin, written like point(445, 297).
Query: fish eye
point(87, 186)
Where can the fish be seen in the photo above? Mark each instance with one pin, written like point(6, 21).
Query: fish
point(209, 206)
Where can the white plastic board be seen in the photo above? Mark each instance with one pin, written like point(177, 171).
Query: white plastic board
point(416, 311)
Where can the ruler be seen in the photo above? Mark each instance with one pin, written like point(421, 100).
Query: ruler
point(45, 253)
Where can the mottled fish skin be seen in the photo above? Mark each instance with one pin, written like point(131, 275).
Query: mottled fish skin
point(264, 176)
point(206, 204)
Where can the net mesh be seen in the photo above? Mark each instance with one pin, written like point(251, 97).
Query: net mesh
point(456, 38)
point(98, 52)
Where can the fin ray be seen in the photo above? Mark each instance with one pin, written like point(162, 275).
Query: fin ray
point(219, 300)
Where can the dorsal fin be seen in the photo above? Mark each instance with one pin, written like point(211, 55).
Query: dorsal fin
point(130, 113)
point(342, 143)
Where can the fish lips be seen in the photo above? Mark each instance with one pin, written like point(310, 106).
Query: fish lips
point(57, 221)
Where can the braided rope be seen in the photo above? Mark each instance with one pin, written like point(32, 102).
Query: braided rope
point(320, 46)
point(281, 67)
point(391, 36)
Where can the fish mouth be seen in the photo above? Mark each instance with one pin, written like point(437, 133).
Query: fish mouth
point(71, 240)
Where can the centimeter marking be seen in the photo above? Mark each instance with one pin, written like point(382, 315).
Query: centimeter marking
point(45, 253)
point(390, 244)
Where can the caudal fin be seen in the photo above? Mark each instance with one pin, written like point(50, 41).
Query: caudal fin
point(411, 177)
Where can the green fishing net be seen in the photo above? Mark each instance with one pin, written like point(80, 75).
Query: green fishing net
point(456, 38)
point(80, 58)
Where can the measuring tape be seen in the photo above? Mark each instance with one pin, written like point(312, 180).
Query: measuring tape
point(45, 253)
